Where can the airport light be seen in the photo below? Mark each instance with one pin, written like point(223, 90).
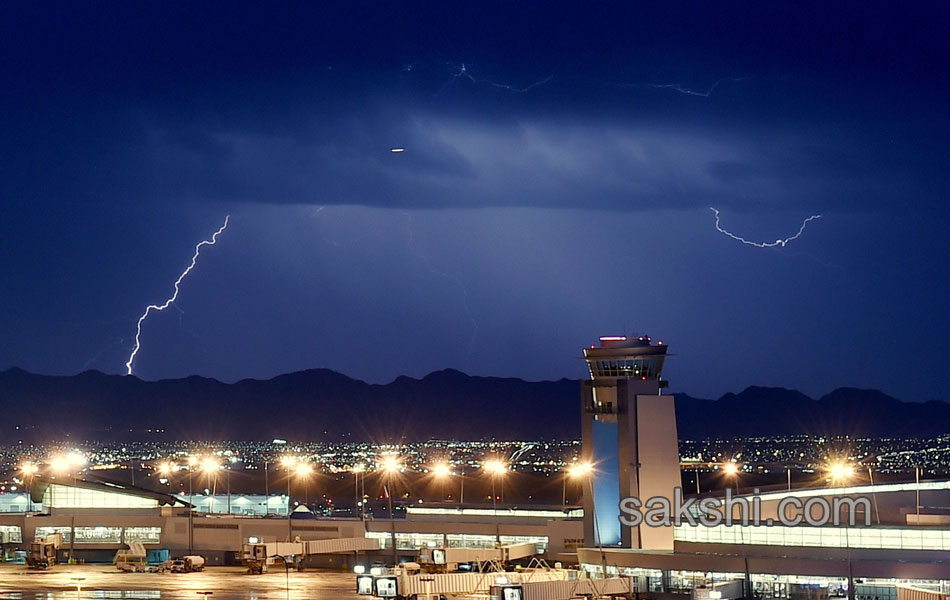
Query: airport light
point(580, 469)
point(166, 468)
point(495, 468)
point(730, 469)
point(59, 464)
point(441, 471)
point(840, 472)
point(304, 471)
point(357, 496)
point(288, 461)
point(29, 471)
point(391, 464)
point(575, 471)
point(210, 465)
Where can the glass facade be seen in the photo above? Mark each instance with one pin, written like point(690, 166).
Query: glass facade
point(769, 586)
point(99, 535)
point(14, 503)
point(625, 367)
point(892, 538)
point(42, 532)
point(416, 541)
point(240, 504)
point(65, 496)
point(11, 534)
point(144, 535)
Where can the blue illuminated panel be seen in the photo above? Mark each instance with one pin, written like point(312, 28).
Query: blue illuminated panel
point(606, 483)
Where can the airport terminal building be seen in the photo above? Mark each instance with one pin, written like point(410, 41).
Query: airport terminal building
point(629, 429)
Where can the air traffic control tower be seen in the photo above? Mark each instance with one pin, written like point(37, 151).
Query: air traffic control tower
point(629, 436)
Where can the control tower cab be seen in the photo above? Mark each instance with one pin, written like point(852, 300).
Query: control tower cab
point(629, 436)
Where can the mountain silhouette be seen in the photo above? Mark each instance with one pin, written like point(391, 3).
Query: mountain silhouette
point(321, 404)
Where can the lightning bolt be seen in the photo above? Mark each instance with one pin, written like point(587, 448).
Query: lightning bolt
point(167, 303)
point(685, 90)
point(781, 243)
point(463, 72)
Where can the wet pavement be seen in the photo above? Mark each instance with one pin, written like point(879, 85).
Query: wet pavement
point(225, 583)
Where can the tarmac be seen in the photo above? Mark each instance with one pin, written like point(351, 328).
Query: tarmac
point(105, 582)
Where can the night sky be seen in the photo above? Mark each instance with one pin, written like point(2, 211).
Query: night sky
point(559, 166)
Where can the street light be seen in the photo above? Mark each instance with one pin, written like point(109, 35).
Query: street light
point(391, 465)
point(441, 471)
point(495, 468)
point(731, 469)
point(840, 473)
point(574, 471)
point(70, 463)
point(29, 471)
point(303, 471)
point(585, 470)
point(210, 467)
point(357, 497)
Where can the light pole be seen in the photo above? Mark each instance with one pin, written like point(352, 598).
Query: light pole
point(210, 467)
point(287, 463)
point(357, 497)
point(732, 470)
point(304, 471)
point(69, 465)
point(391, 466)
point(192, 463)
point(840, 473)
point(441, 471)
point(266, 491)
point(29, 472)
point(495, 468)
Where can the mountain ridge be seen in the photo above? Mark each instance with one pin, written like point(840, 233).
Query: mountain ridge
point(447, 404)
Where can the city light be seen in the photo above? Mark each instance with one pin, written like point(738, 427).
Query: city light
point(288, 461)
point(359, 468)
point(59, 464)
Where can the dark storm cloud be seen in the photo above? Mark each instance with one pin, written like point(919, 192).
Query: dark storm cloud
point(301, 104)
point(570, 152)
